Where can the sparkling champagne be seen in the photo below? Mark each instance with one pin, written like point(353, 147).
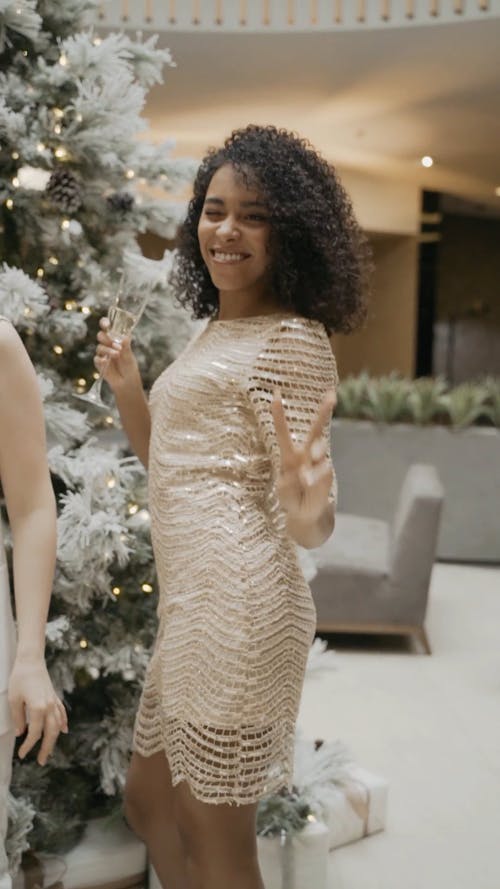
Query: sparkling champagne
point(122, 323)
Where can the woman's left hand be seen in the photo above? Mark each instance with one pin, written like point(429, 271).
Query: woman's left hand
point(36, 707)
point(306, 472)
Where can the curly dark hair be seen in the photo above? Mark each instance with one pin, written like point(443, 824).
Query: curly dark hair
point(320, 257)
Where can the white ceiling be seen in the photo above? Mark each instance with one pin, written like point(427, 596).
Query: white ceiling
point(374, 101)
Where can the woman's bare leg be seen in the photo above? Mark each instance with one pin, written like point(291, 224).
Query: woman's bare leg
point(220, 840)
point(149, 810)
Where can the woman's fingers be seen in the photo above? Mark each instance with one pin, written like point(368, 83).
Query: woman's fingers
point(45, 723)
point(35, 729)
point(318, 450)
point(311, 475)
point(285, 441)
point(63, 717)
point(323, 417)
point(18, 714)
point(51, 730)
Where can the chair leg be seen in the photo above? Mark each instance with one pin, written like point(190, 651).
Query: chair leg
point(423, 639)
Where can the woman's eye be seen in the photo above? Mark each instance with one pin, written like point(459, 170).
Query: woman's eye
point(212, 213)
point(256, 217)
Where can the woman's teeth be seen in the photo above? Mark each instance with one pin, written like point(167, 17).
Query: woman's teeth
point(228, 257)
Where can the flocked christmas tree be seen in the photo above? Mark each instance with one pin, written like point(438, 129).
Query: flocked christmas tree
point(73, 197)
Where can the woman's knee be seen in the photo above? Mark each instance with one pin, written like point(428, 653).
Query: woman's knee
point(215, 832)
point(134, 807)
point(147, 793)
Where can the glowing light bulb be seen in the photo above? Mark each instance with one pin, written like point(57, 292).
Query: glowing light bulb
point(40, 146)
point(85, 310)
point(65, 223)
point(84, 643)
point(53, 260)
point(132, 508)
point(27, 311)
point(146, 588)
point(58, 350)
point(109, 421)
point(69, 305)
point(40, 273)
point(82, 381)
point(58, 112)
point(63, 59)
point(15, 182)
point(111, 482)
point(79, 117)
point(9, 203)
point(427, 161)
point(97, 41)
point(15, 155)
point(116, 591)
point(130, 174)
point(61, 152)
point(57, 129)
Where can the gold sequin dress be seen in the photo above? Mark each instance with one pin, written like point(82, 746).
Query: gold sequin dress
point(236, 617)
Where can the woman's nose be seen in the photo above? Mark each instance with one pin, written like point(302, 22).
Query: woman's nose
point(227, 228)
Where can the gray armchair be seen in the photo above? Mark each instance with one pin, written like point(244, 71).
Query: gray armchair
point(373, 576)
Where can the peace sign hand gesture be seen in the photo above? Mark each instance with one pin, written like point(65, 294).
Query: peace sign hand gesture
point(306, 473)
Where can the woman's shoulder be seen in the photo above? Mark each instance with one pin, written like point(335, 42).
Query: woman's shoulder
point(14, 360)
point(297, 345)
point(10, 341)
point(302, 336)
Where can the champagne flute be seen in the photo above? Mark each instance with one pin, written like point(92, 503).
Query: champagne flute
point(123, 315)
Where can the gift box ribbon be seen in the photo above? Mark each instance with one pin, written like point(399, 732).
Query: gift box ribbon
point(358, 797)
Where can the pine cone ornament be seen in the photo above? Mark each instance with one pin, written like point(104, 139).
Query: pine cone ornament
point(120, 201)
point(64, 190)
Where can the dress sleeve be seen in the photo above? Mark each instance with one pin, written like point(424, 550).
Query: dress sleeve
point(297, 359)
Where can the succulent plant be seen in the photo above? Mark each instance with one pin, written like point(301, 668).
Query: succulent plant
point(465, 404)
point(427, 399)
point(492, 391)
point(351, 396)
point(397, 399)
point(387, 399)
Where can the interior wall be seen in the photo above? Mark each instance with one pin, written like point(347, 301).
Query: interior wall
point(387, 342)
point(467, 329)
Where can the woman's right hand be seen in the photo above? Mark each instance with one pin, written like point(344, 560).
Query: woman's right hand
point(114, 360)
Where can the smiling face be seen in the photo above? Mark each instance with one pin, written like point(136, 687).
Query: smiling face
point(233, 233)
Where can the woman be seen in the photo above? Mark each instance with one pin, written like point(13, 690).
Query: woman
point(236, 437)
point(28, 701)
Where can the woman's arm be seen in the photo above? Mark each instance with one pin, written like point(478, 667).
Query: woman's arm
point(121, 372)
point(32, 515)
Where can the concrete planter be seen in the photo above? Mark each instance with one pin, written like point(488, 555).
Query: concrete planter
point(371, 461)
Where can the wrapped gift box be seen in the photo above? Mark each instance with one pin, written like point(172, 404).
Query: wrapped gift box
point(108, 857)
point(350, 800)
point(297, 862)
point(354, 809)
point(292, 863)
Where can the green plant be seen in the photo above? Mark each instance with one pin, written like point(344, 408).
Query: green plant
point(282, 813)
point(427, 399)
point(466, 403)
point(351, 396)
point(387, 399)
point(492, 392)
